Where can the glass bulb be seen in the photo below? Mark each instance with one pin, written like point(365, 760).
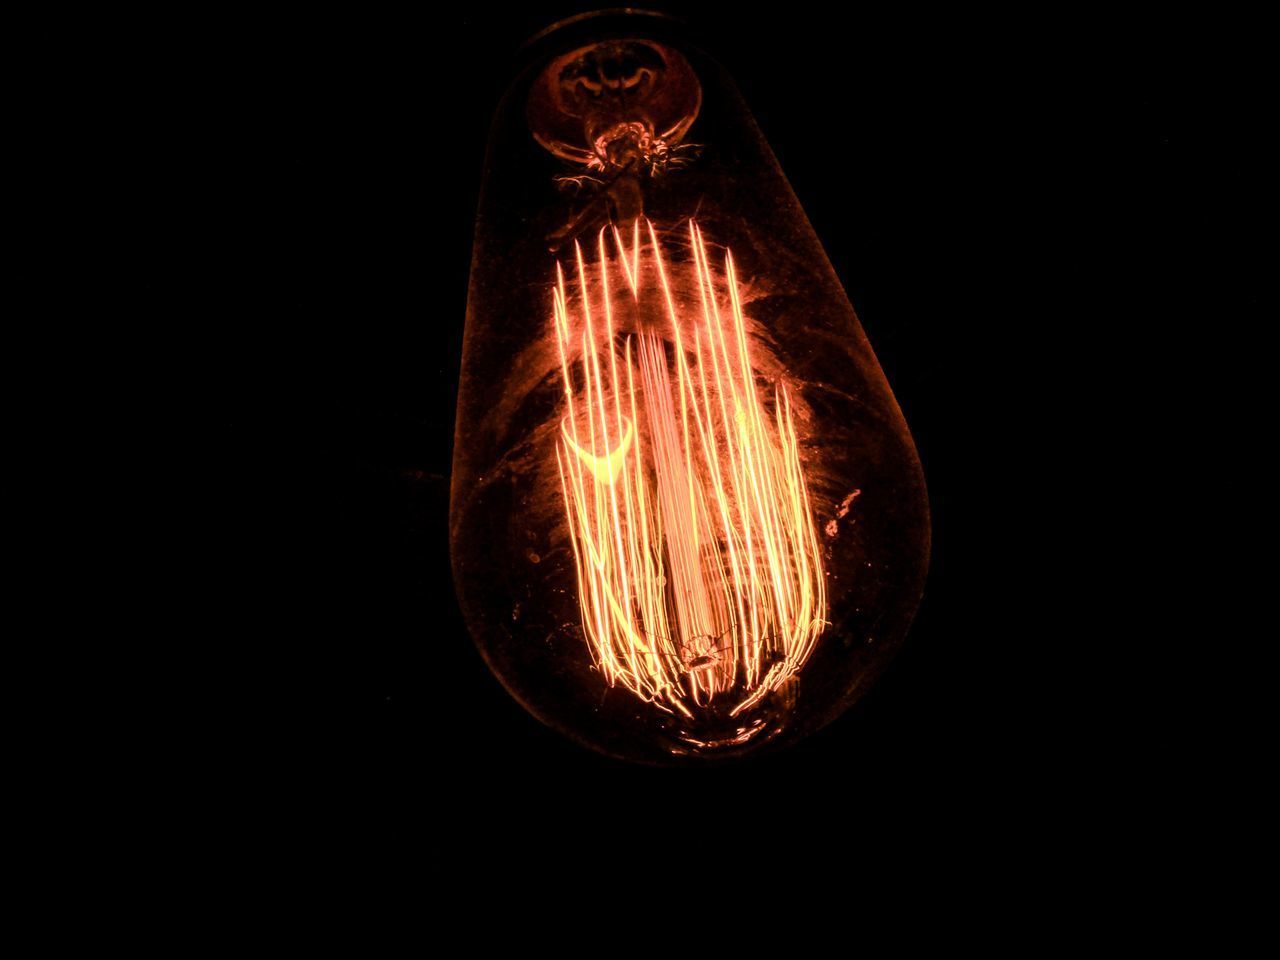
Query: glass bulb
point(688, 520)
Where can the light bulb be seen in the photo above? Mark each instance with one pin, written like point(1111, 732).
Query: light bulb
point(688, 520)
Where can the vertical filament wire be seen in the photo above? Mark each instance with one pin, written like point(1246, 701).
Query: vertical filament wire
point(699, 574)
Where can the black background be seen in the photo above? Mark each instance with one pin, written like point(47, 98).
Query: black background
point(305, 193)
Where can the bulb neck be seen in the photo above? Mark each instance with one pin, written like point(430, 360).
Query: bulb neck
point(597, 25)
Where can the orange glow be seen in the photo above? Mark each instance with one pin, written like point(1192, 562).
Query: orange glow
point(699, 575)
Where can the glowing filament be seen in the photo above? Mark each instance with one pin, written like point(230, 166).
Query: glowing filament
point(698, 567)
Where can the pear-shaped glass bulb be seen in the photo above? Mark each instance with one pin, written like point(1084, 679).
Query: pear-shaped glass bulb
point(688, 519)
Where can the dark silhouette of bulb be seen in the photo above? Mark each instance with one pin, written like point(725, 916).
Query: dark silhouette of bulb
point(688, 520)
